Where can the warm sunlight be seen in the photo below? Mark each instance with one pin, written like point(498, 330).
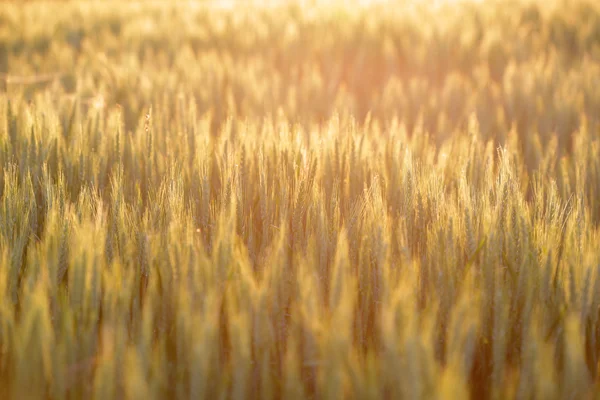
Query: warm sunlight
point(299, 199)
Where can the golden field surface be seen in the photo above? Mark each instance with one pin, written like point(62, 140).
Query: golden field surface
point(301, 200)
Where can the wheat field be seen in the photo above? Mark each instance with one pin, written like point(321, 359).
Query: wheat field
point(299, 200)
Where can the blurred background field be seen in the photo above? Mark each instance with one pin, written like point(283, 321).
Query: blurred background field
point(383, 199)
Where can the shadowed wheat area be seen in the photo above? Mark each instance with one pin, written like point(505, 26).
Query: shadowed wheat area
point(321, 201)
